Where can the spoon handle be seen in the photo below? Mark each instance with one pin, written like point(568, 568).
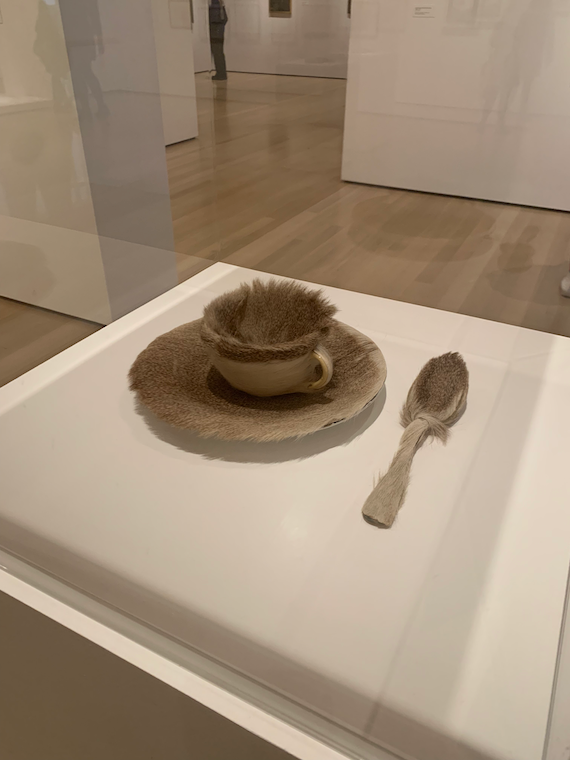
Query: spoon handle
point(388, 495)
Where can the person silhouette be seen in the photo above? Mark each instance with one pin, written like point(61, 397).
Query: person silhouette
point(218, 18)
point(47, 46)
point(84, 38)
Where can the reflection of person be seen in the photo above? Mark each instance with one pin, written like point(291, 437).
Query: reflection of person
point(48, 47)
point(519, 54)
point(85, 44)
point(218, 19)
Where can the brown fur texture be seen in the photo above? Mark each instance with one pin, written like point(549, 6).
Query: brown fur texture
point(442, 382)
point(267, 321)
point(174, 378)
point(435, 401)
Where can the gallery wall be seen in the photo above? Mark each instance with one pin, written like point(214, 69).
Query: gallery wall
point(313, 41)
point(464, 97)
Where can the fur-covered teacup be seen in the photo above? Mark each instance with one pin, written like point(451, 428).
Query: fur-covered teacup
point(265, 338)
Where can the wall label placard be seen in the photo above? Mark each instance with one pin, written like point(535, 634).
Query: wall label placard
point(427, 10)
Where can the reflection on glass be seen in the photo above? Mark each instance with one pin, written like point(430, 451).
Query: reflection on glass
point(49, 252)
point(43, 175)
point(218, 19)
point(84, 47)
point(489, 9)
point(462, 11)
point(48, 48)
point(521, 47)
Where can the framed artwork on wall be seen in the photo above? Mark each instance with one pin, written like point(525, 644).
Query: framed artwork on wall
point(280, 8)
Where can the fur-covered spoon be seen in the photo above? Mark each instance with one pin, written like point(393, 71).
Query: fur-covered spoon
point(435, 401)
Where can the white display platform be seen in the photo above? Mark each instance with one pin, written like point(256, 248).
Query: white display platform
point(437, 639)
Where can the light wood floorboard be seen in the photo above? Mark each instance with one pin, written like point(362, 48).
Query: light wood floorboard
point(30, 336)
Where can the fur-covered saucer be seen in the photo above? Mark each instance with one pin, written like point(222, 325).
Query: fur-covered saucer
point(174, 378)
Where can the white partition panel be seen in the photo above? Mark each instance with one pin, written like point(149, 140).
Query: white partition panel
point(465, 97)
point(174, 53)
point(201, 36)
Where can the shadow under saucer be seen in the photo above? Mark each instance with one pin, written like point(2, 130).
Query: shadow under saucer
point(339, 434)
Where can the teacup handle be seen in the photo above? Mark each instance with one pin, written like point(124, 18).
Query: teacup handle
point(325, 360)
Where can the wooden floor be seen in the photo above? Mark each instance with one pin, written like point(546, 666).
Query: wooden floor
point(261, 188)
point(29, 336)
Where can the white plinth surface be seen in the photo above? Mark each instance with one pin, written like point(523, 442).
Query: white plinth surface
point(437, 639)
